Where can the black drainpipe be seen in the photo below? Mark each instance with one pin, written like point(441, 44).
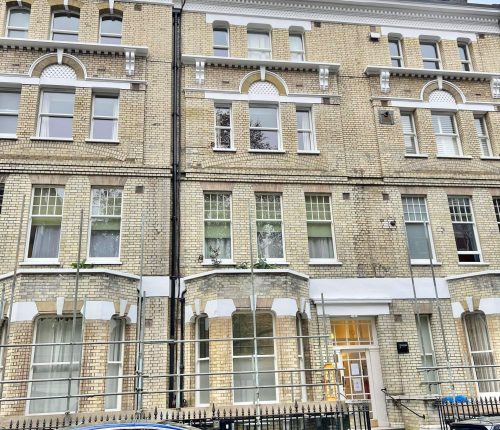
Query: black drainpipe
point(174, 225)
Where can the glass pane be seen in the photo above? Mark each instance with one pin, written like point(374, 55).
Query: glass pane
point(297, 56)
point(64, 37)
point(394, 48)
point(56, 127)
point(19, 18)
point(396, 62)
point(305, 141)
point(104, 237)
point(106, 201)
point(269, 240)
point(406, 123)
point(111, 25)
point(429, 50)
point(261, 139)
point(116, 335)
point(303, 120)
point(465, 238)
point(296, 42)
point(432, 65)
point(9, 101)
point(417, 241)
point(264, 116)
point(479, 124)
point(223, 138)
point(18, 34)
point(104, 129)
point(243, 328)
point(112, 386)
point(218, 248)
point(221, 52)
point(110, 40)
point(259, 55)
point(247, 379)
point(58, 103)
point(221, 37)
point(66, 21)
point(259, 40)
point(203, 333)
point(223, 116)
point(443, 124)
point(204, 381)
point(44, 238)
point(105, 106)
point(8, 124)
point(462, 51)
point(321, 247)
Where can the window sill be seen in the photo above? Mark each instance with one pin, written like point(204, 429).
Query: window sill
point(52, 139)
point(416, 155)
point(426, 263)
point(44, 262)
point(324, 262)
point(224, 149)
point(490, 158)
point(8, 136)
point(267, 151)
point(460, 157)
point(113, 142)
point(473, 263)
point(222, 263)
point(308, 152)
point(277, 262)
point(103, 261)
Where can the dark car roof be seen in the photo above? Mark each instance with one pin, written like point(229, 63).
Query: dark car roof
point(480, 421)
point(131, 426)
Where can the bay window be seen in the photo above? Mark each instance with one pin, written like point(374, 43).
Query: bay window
point(105, 117)
point(9, 112)
point(105, 223)
point(45, 223)
point(264, 128)
point(296, 46)
point(223, 127)
point(418, 231)
point(217, 219)
point(445, 131)
point(305, 133)
point(259, 44)
point(430, 55)
point(269, 227)
point(55, 362)
point(482, 135)
point(17, 22)
point(464, 228)
point(221, 41)
point(243, 353)
point(409, 134)
point(65, 25)
point(55, 119)
point(115, 364)
point(111, 29)
point(202, 360)
point(319, 228)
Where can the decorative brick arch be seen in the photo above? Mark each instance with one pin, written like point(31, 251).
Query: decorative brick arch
point(51, 59)
point(270, 77)
point(441, 85)
point(104, 8)
point(58, 4)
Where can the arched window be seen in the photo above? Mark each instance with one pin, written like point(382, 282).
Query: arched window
point(115, 364)
point(202, 360)
point(65, 25)
point(481, 352)
point(18, 22)
point(111, 29)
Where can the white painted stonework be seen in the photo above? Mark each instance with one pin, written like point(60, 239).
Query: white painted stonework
point(249, 20)
point(24, 311)
point(284, 307)
point(98, 310)
point(156, 286)
point(490, 306)
point(219, 308)
point(457, 309)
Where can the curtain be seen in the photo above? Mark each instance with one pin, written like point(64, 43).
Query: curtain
point(45, 239)
point(320, 241)
point(269, 239)
point(417, 241)
point(105, 237)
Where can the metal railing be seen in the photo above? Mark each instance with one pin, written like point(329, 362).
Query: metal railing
point(460, 410)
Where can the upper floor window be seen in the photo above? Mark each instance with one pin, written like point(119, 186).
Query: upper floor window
point(305, 133)
point(115, 364)
point(464, 228)
point(223, 127)
point(482, 135)
point(9, 111)
point(56, 115)
point(430, 55)
point(105, 118)
point(418, 229)
point(445, 131)
point(269, 227)
point(221, 41)
point(463, 51)
point(496, 204)
point(58, 361)
point(296, 46)
point(409, 134)
point(259, 44)
point(396, 52)
point(319, 228)
point(2, 190)
point(264, 127)
point(65, 25)
point(105, 223)
point(18, 22)
point(111, 29)
point(45, 223)
point(217, 216)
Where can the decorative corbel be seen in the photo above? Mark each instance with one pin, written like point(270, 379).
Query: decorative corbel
point(200, 72)
point(324, 73)
point(197, 306)
point(262, 73)
point(20, 3)
point(59, 306)
point(495, 88)
point(66, 5)
point(123, 306)
point(129, 61)
point(60, 52)
point(440, 82)
point(111, 5)
point(384, 81)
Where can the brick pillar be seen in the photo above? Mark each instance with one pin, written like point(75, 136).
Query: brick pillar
point(220, 360)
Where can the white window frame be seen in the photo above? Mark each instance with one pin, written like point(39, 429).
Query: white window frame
point(104, 260)
point(71, 12)
point(311, 130)
point(257, 220)
point(274, 355)
point(301, 358)
point(199, 360)
point(41, 114)
point(413, 134)
point(485, 137)
point(218, 127)
point(436, 60)
point(471, 353)
point(206, 259)
point(476, 235)
point(329, 222)
point(302, 52)
point(496, 205)
point(455, 135)
point(120, 365)
point(111, 35)
point(260, 50)
point(425, 324)
point(10, 112)
point(214, 46)
point(54, 260)
point(278, 129)
point(399, 57)
point(467, 63)
point(110, 118)
point(427, 224)
point(3, 339)
point(8, 27)
point(33, 349)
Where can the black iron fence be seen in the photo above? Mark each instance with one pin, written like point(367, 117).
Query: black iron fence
point(452, 411)
point(329, 416)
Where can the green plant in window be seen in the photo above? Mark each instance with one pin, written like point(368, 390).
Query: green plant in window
point(82, 265)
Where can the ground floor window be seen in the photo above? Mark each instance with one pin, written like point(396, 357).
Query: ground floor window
point(115, 364)
point(203, 360)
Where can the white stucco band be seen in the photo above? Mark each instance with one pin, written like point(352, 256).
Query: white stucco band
point(284, 307)
point(354, 308)
point(156, 286)
point(219, 308)
point(98, 310)
point(490, 305)
point(24, 311)
point(457, 309)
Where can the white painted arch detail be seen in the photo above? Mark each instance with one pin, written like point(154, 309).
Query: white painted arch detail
point(442, 85)
point(58, 71)
point(267, 72)
point(55, 56)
